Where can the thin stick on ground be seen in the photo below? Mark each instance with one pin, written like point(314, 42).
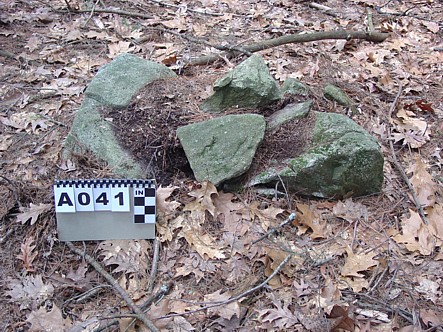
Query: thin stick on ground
point(375, 37)
point(237, 297)
point(140, 315)
point(291, 217)
point(395, 161)
point(154, 265)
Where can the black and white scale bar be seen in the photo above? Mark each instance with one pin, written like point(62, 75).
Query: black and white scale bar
point(144, 205)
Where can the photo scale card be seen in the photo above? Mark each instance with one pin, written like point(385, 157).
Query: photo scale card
point(105, 209)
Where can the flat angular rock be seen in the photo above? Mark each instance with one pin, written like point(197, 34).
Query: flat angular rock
point(341, 159)
point(248, 85)
point(114, 86)
point(222, 148)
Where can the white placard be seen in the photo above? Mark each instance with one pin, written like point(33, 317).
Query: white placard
point(102, 199)
point(120, 199)
point(84, 199)
point(64, 199)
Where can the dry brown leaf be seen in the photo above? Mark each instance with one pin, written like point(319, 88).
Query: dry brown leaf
point(43, 320)
point(227, 311)
point(310, 218)
point(357, 263)
point(349, 210)
point(422, 182)
point(27, 254)
point(128, 255)
point(203, 243)
point(33, 212)
point(166, 208)
point(415, 235)
point(29, 292)
point(267, 216)
point(203, 198)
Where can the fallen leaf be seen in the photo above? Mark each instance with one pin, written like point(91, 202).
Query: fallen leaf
point(27, 254)
point(33, 212)
point(48, 321)
point(227, 311)
point(422, 182)
point(29, 291)
point(356, 263)
point(310, 218)
point(415, 235)
point(349, 210)
point(203, 243)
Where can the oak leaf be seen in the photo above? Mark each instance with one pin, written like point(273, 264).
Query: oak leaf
point(203, 243)
point(280, 316)
point(415, 235)
point(309, 218)
point(203, 198)
point(423, 183)
point(32, 213)
point(226, 311)
point(27, 254)
point(356, 263)
point(43, 320)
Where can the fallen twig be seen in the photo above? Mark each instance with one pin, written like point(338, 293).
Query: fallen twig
point(197, 41)
point(237, 297)
point(291, 217)
point(294, 38)
point(203, 12)
point(405, 178)
point(140, 315)
point(154, 265)
point(327, 10)
point(109, 11)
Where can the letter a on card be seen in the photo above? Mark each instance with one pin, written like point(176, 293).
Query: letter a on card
point(64, 199)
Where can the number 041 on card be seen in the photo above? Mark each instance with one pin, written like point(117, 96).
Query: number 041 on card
point(105, 209)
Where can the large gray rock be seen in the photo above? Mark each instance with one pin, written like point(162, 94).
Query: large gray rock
point(222, 148)
point(113, 86)
point(341, 159)
point(248, 85)
point(117, 82)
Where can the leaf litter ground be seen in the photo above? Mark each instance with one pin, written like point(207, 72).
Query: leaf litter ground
point(361, 264)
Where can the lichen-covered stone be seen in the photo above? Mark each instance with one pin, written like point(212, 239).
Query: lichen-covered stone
point(288, 113)
point(114, 86)
point(117, 82)
point(342, 159)
point(291, 86)
point(248, 85)
point(222, 148)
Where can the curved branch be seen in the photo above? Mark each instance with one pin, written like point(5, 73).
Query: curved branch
point(373, 36)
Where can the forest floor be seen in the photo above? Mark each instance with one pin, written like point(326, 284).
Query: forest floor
point(357, 264)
